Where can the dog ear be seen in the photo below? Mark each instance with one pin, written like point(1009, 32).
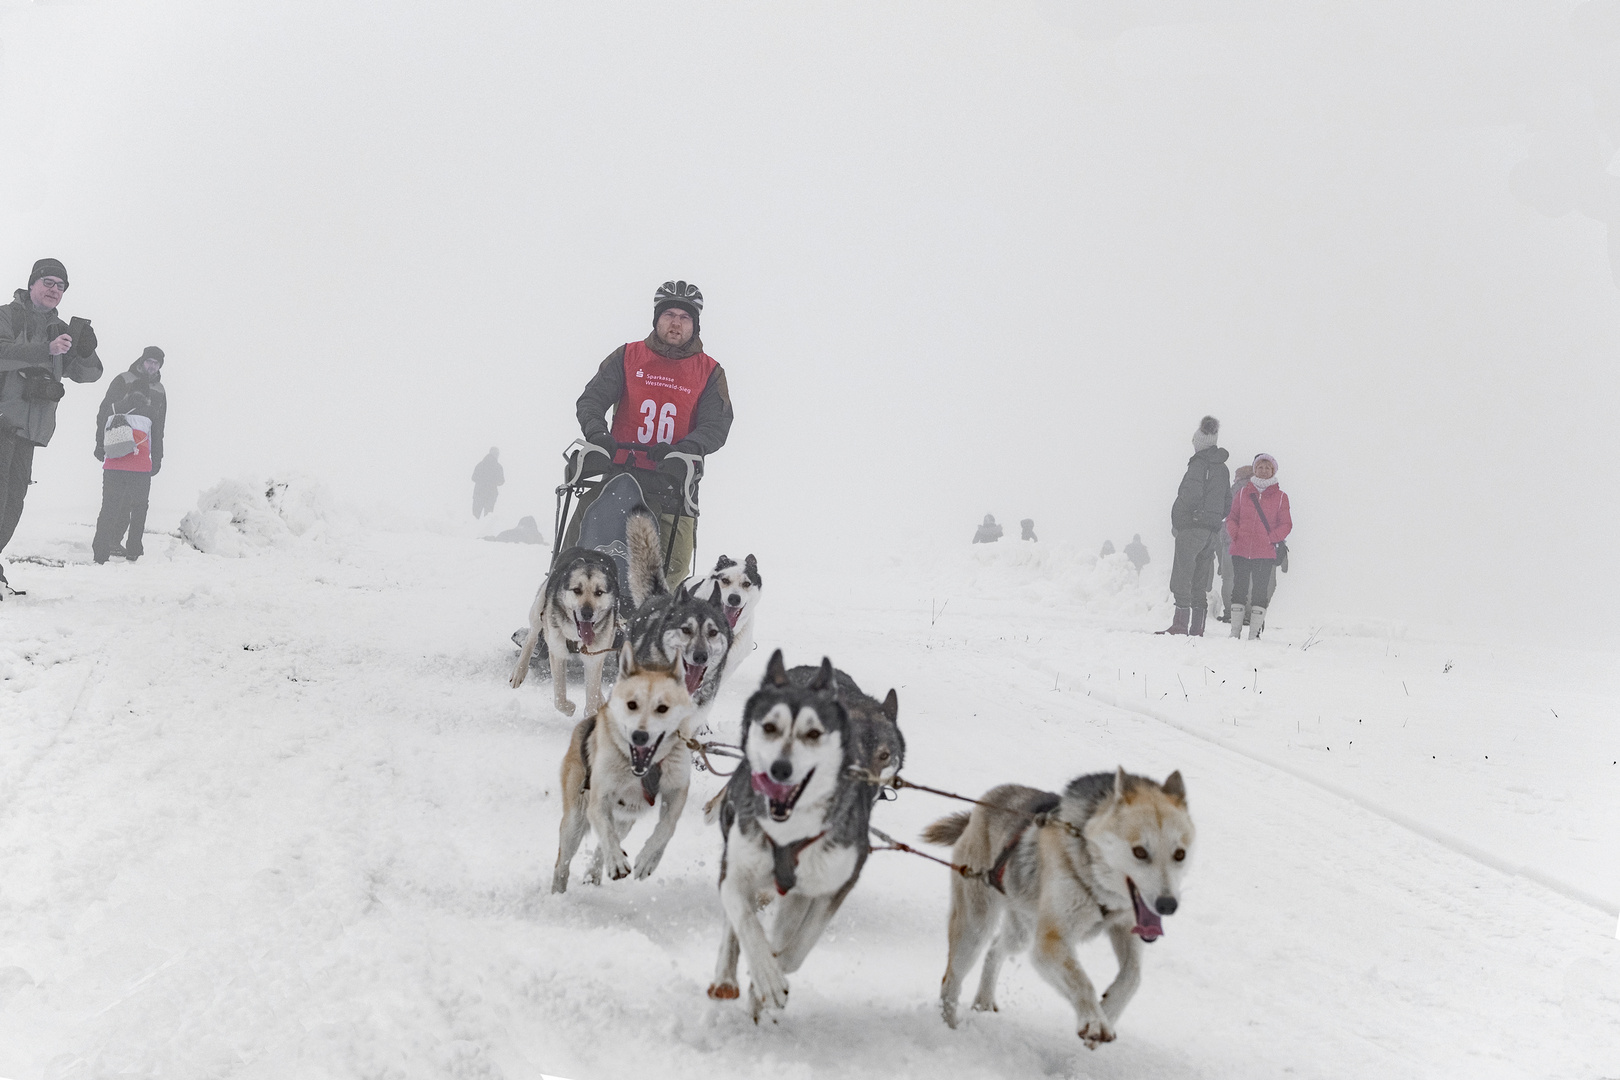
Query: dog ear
point(824, 677)
point(776, 671)
point(1174, 788)
point(724, 562)
point(627, 660)
point(891, 706)
point(751, 568)
point(677, 670)
point(1122, 782)
point(714, 598)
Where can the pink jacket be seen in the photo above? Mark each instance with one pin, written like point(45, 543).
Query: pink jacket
point(1250, 540)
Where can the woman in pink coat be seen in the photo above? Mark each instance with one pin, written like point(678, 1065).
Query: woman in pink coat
point(1258, 521)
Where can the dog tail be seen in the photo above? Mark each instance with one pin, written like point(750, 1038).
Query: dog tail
point(946, 831)
point(646, 556)
point(712, 808)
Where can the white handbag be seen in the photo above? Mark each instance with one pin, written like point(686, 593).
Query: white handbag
point(119, 440)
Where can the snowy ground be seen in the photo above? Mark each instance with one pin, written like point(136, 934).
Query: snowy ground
point(280, 816)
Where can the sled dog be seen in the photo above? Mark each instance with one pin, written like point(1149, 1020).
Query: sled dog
point(740, 591)
point(579, 603)
point(623, 759)
point(1107, 854)
point(667, 624)
point(794, 824)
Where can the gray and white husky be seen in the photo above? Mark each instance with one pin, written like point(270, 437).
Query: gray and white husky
point(578, 602)
point(794, 820)
point(1107, 854)
point(684, 623)
point(740, 590)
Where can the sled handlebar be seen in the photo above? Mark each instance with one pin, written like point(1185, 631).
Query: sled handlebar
point(578, 450)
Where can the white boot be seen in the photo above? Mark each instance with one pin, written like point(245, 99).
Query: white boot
point(1257, 621)
point(1237, 620)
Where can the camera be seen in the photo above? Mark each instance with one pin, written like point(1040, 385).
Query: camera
point(40, 385)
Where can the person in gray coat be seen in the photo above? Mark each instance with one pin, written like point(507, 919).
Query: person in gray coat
point(1224, 543)
point(1137, 552)
point(1200, 509)
point(989, 532)
point(487, 477)
point(36, 354)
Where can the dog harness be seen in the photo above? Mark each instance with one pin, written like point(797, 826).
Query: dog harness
point(1042, 804)
point(660, 397)
point(649, 779)
point(785, 860)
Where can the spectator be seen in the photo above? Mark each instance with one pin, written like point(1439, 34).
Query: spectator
point(487, 478)
point(1028, 525)
point(129, 443)
point(1136, 551)
point(1199, 509)
point(1107, 549)
point(36, 354)
point(1260, 521)
point(989, 532)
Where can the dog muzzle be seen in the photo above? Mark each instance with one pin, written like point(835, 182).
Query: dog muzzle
point(641, 757)
point(1148, 926)
point(780, 797)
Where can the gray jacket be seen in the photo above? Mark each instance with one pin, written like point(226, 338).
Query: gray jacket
point(25, 336)
point(1205, 494)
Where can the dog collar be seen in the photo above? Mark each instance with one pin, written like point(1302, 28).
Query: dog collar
point(785, 858)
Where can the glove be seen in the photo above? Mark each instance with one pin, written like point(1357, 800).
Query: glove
point(659, 451)
point(156, 468)
point(85, 343)
point(605, 441)
point(101, 455)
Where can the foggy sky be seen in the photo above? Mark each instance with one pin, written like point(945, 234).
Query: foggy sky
point(958, 258)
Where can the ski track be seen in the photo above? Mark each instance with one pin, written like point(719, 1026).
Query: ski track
point(282, 816)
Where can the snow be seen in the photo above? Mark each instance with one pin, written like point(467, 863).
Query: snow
point(280, 815)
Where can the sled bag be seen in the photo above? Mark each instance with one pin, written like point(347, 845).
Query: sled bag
point(119, 440)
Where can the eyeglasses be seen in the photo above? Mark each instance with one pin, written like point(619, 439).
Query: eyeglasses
point(53, 284)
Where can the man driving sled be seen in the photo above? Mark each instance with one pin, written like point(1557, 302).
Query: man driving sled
point(667, 395)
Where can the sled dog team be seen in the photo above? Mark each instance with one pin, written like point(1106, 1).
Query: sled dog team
point(1035, 870)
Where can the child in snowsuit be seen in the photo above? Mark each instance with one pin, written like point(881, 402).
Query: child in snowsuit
point(1258, 522)
point(129, 443)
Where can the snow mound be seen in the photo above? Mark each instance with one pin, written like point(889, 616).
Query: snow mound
point(1060, 574)
point(235, 518)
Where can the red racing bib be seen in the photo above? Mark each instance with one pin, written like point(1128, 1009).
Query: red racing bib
point(660, 396)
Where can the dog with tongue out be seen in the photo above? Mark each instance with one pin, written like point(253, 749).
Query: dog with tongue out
point(1046, 871)
point(794, 820)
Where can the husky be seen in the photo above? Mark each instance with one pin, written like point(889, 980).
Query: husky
point(794, 822)
point(740, 591)
point(667, 624)
point(1107, 854)
point(579, 603)
point(628, 756)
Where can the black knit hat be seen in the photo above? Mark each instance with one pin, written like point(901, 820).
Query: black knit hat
point(52, 267)
point(151, 352)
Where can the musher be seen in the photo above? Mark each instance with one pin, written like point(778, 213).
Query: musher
point(666, 394)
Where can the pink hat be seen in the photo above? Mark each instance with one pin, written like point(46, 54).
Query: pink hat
point(1258, 458)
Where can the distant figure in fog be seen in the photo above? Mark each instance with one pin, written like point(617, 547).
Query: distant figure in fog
point(527, 532)
point(1136, 551)
point(487, 478)
point(1259, 524)
point(1107, 549)
point(1223, 542)
point(1199, 509)
point(989, 532)
point(129, 444)
point(1028, 525)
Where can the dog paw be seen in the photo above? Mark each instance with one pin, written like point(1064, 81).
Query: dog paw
point(564, 706)
point(947, 1010)
point(618, 865)
point(985, 1005)
point(1095, 1032)
point(559, 884)
point(646, 863)
point(593, 876)
point(768, 990)
point(726, 991)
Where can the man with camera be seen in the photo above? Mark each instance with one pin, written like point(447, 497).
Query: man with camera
point(37, 351)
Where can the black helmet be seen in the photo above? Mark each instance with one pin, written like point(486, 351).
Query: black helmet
point(678, 294)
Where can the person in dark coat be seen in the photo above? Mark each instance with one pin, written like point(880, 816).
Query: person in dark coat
point(988, 532)
point(1028, 526)
point(1137, 552)
point(1200, 508)
point(1107, 549)
point(36, 354)
point(133, 413)
point(668, 396)
point(487, 478)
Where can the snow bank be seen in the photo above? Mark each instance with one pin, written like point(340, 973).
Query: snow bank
point(235, 517)
point(1060, 574)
